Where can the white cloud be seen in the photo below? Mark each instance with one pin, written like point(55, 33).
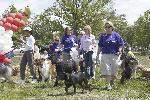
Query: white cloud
point(132, 8)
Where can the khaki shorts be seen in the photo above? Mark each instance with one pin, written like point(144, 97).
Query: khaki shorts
point(109, 64)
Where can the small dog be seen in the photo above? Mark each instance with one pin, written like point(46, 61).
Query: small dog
point(15, 70)
point(76, 78)
point(129, 67)
point(43, 69)
point(145, 72)
point(63, 67)
point(6, 72)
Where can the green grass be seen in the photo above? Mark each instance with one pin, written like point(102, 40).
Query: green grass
point(135, 89)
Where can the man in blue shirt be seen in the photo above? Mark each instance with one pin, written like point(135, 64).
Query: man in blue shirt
point(110, 45)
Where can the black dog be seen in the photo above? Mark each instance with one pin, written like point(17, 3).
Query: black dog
point(128, 67)
point(76, 78)
point(63, 68)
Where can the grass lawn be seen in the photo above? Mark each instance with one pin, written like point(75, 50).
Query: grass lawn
point(135, 89)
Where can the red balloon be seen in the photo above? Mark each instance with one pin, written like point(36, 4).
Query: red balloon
point(7, 60)
point(4, 20)
point(9, 20)
point(2, 55)
point(1, 23)
point(16, 22)
point(11, 15)
point(14, 28)
point(19, 15)
point(7, 26)
point(22, 23)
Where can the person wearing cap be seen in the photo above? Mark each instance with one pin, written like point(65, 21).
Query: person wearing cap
point(28, 56)
point(87, 45)
point(110, 45)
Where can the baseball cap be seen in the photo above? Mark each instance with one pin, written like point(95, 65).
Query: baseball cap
point(27, 29)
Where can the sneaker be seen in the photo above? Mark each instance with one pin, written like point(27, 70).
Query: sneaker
point(109, 88)
point(34, 81)
point(20, 81)
point(112, 83)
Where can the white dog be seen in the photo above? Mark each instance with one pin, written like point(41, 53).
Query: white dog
point(43, 69)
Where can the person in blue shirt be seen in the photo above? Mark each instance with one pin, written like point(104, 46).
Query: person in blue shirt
point(68, 41)
point(110, 45)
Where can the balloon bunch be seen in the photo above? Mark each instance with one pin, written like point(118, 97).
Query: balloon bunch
point(12, 23)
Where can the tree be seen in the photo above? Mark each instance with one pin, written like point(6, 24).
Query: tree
point(73, 13)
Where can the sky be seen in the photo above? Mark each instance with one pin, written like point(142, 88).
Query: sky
point(131, 8)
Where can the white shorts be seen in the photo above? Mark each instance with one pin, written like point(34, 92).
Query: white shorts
point(109, 64)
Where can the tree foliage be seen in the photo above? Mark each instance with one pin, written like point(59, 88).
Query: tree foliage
point(73, 13)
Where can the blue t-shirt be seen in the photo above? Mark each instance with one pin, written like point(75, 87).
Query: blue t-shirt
point(68, 41)
point(110, 43)
point(54, 46)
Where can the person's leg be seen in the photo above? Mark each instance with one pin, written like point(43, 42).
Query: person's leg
point(30, 60)
point(105, 69)
point(87, 69)
point(114, 68)
point(23, 66)
point(94, 70)
point(90, 63)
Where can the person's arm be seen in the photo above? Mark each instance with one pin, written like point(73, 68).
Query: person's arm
point(80, 47)
point(98, 51)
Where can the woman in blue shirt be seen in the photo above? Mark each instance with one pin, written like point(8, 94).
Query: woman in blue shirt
point(54, 51)
point(110, 45)
point(68, 41)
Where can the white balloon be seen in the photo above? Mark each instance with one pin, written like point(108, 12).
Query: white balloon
point(9, 32)
point(2, 30)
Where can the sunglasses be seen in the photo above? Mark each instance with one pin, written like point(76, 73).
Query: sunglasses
point(56, 40)
point(108, 26)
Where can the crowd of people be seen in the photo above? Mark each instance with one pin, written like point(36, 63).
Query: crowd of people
point(110, 46)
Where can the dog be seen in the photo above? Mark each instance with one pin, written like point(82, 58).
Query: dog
point(129, 67)
point(63, 67)
point(6, 72)
point(15, 70)
point(43, 69)
point(76, 78)
point(145, 72)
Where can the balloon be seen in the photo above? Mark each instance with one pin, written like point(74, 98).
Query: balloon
point(16, 22)
point(2, 29)
point(4, 20)
point(22, 23)
point(7, 60)
point(7, 26)
point(9, 20)
point(11, 15)
point(1, 23)
point(2, 55)
point(19, 16)
point(14, 28)
point(27, 12)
